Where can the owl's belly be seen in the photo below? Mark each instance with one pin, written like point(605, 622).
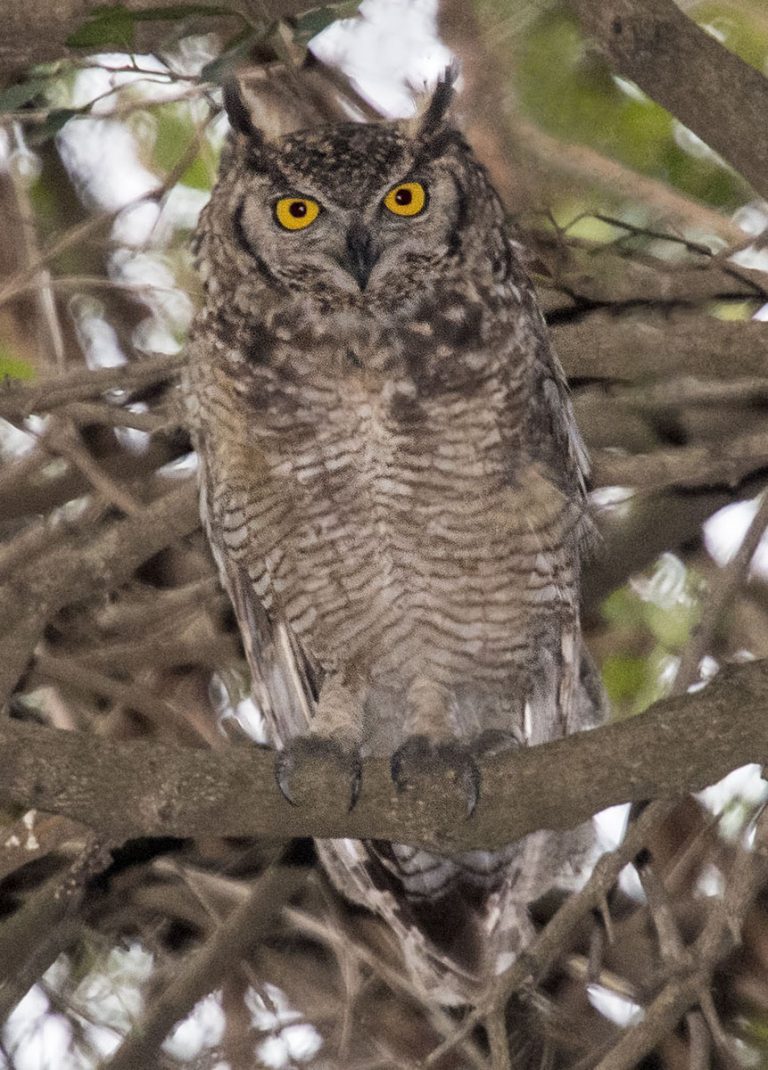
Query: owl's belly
point(407, 556)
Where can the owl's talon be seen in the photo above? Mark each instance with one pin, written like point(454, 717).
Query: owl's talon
point(494, 741)
point(419, 761)
point(310, 769)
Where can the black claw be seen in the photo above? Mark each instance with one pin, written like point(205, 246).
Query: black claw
point(310, 769)
point(419, 761)
point(494, 741)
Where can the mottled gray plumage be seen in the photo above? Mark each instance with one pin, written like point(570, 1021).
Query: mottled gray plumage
point(393, 486)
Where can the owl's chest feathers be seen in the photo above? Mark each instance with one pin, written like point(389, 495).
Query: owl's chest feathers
point(383, 439)
point(381, 507)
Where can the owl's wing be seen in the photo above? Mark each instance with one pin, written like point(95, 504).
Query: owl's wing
point(553, 423)
point(284, 682)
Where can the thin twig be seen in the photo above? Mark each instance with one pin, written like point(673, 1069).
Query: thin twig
point(534, 964)
point(23, 399)
point(721, 933)
point(250, 922)
point(725, 588)
point(61, 437)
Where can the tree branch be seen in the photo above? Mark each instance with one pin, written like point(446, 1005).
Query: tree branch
point(143, 788)
point(33, 937)
point(531, 968)
point(726, 463)
point(36, 31)
point(601, 346)
point(720, 935)
point(19, 399)
point(247, 924)
point(34, 594)
point(713, 92)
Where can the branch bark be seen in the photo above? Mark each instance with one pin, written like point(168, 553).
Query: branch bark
point(629, 349)
point(713, 92)
point(726, 463)
point(33, 937)
point(247, 924)
point(33, 595)
point(36, 31)
point(143, 788)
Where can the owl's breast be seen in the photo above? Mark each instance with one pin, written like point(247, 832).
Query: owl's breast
point(406, 533)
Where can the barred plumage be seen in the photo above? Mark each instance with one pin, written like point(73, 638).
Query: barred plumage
point(393, 484)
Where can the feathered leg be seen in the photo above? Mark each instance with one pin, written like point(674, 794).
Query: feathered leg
point(431, 750)
point(310, 767)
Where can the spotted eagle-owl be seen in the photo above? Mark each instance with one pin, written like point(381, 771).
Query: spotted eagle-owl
point(394, 489)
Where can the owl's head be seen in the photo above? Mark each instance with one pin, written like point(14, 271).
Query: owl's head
point(362, 214)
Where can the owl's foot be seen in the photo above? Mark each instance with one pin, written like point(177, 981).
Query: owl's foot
point(311, 770)
point(419, 763)
point(494, 741)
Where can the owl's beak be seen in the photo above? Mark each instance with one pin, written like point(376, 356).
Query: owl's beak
point(361, 253)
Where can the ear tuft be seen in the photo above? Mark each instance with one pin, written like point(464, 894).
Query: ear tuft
point(439, 105)
point(237, 110)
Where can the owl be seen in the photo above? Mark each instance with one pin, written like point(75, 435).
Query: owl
point(393, 486)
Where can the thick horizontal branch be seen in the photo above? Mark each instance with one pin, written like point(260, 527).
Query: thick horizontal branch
point(147, 789)
point(712, 91)
point(602, 346)
point(726, 463)
point(36, 31)
point(19, 399)
point(622, 284)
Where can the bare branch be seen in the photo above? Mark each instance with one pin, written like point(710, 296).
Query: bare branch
point(246, 925)
point(658, 522)
point(33, 595)
point(145, 788)
point(630, 350)
point(712, 91)
point(725, 588)
point(591, 167)
point(34, 936)
point(720, 935)
point(547, 947)
point(36, 31)
point(725, 463)
point(21, 399)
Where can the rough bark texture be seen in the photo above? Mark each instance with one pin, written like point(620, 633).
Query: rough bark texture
point(37, 31)
point(142, 789)
point(712, 91)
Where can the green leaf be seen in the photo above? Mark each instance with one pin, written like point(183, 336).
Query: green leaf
point(114, 25)
point(671, 625)
point(622, 608)
point(174, 133)
point(54, 121)
point(16, 96)
point(13, 368)
point(317, 19)
point(624, 676)
point(107, 26)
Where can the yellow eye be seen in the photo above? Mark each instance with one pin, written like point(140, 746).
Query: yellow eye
point(295, 213)
point(409, 198)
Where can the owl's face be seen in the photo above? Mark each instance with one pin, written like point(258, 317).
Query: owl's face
point(350, 208)
point(355, 215)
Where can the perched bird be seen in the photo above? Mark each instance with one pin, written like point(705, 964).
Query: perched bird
point(393, 486)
